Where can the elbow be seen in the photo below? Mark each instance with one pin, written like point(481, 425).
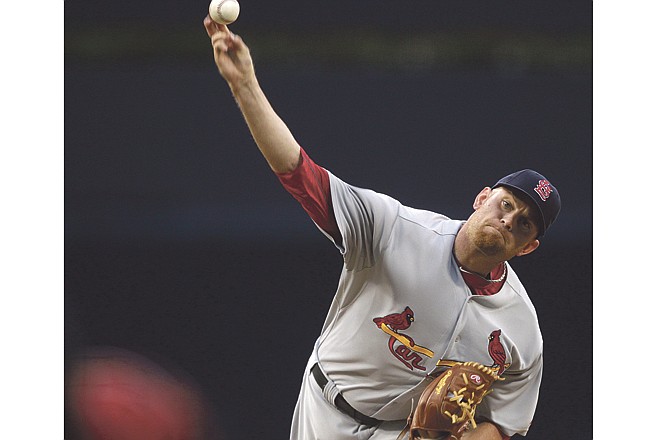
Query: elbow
point(287, 164)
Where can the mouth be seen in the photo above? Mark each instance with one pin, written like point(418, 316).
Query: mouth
point(499, 231)
point(489, 242)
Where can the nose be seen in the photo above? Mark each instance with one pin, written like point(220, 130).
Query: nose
point(507, 221)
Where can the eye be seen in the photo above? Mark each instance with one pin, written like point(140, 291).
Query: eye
point(505, 204)
point(526, 224)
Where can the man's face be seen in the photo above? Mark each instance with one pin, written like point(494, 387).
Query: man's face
point(503, 225)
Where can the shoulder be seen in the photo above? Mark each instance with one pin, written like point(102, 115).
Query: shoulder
point(524, 324)
point(381, 209)
point(437, 222)
point(520, 291)
point(432, 221)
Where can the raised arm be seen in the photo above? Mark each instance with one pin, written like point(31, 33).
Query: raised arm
point(235, 65)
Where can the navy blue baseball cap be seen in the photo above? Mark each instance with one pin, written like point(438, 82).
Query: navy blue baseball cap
point(543, 194)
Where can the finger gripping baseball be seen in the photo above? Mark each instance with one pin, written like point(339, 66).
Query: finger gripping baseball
point(447, 405)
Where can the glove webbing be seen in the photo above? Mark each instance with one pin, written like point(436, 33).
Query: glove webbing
point(467, 404)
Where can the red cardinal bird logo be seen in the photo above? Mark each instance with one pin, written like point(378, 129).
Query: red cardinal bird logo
point(497, 352)
point(397, 321)
point(402, 346)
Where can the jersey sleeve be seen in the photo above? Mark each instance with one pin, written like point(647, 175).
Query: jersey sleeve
point(309, 184)
point(365, 220)
point(511, 405)
point(357, 220)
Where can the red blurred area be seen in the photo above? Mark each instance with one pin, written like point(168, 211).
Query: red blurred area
point(112, 394)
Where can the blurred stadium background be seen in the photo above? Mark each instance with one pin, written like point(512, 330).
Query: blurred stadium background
point(181, 245)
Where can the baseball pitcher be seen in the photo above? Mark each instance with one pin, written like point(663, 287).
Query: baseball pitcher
point(430, 333)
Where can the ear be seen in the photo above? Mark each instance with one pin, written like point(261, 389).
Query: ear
point(481, 198)
point(530, 247)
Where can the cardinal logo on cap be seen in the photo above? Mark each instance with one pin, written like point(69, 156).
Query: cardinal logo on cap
point(543, 189)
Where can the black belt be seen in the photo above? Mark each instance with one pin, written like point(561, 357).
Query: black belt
point(342, 404)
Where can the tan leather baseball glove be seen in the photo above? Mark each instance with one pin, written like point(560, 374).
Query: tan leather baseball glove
point(446, 408)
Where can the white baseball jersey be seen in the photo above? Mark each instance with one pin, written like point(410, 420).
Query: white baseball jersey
point(402, 305)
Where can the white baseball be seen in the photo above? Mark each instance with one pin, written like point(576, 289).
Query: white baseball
point(224, 11)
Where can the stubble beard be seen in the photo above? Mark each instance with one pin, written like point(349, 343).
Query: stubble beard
point(487, 240)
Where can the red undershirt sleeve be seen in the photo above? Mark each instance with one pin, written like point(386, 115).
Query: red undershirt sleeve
point(309, 184)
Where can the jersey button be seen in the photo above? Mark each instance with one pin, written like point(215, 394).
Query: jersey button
point(458, 339)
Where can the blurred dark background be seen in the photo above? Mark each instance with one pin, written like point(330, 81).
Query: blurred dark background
point(181, 245)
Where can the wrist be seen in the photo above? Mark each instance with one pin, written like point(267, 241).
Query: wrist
point(244, 86)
